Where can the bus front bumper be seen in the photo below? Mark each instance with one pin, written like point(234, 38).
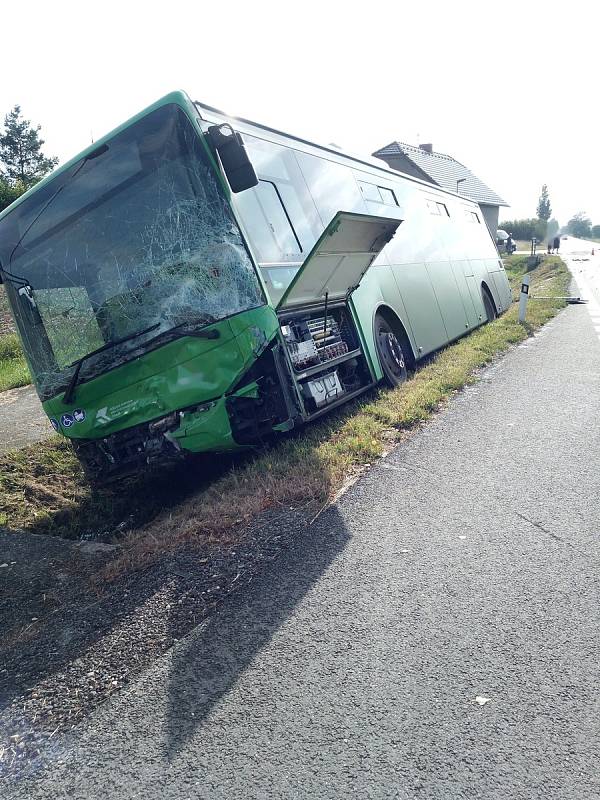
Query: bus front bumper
point(157, 444)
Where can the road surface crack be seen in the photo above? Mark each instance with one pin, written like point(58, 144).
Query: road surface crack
point(544, 530)
point(408, 466)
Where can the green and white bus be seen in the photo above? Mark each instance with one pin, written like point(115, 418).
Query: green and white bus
point(194, 282)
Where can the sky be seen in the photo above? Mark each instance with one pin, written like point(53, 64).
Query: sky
point(509, 89)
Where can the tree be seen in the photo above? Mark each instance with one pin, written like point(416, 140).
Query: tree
point(525, 229)
point(8, 193)
point(21, 157)
point(552, 228)
point(580, 226)
point(596, 232)
point(544, 209)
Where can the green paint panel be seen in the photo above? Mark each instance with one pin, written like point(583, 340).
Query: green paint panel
point(183, 373)
point(206, 430)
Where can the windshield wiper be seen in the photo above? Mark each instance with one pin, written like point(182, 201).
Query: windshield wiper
point(201, 333)
point(69, 395)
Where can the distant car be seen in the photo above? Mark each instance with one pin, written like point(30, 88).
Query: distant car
point(502, 238)
point(564, 237)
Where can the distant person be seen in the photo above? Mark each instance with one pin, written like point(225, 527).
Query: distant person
point(555, 244)
point(549, 246)
point(510, 245)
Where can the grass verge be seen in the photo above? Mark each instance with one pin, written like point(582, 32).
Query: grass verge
point(42, 488)
point(13, 367)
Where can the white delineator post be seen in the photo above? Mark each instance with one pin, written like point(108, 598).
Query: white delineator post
point(524, 297)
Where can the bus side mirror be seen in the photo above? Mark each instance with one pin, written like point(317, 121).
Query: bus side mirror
point(234, 158)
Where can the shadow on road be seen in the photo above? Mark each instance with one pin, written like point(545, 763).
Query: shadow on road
point(239, 594)
point(84, 647)
point(209, 663)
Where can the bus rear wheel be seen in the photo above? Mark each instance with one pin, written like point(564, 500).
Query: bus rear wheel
point(488, 304)
point(390, 352)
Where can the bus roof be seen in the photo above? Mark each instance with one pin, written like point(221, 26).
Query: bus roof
point(360, 159)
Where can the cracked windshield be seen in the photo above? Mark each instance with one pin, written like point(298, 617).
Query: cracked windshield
point(137, 236)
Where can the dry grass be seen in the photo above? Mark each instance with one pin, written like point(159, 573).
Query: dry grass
point(43, 489)
point(303, 471)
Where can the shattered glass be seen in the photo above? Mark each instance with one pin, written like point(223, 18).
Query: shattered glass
point(139, 235)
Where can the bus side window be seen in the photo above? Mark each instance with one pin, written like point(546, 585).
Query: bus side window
point(267, 223)
point(387, 196)
point(370, 191)
point(332, 186)
point(279, 166)
point(437, 208)
point(377, 194)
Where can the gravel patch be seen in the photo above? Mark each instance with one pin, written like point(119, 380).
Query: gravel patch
point(7, 324)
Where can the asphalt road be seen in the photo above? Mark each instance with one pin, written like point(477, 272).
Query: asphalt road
point(22, 419)
point(433, 635)
point(583, 258)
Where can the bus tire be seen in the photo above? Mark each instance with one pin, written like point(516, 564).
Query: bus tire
point(392, 357)
point(488, 304)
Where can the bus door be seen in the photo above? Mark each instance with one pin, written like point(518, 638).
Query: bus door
point(465, 278)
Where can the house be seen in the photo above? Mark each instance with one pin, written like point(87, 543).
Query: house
point(442, 170)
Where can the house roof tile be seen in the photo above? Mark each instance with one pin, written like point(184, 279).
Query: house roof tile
point(444, 171)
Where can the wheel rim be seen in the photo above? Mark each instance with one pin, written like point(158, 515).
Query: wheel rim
point(391, 353)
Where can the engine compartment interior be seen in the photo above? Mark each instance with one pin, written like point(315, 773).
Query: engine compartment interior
point(326, 359)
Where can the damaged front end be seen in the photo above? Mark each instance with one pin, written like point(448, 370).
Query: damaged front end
point(259, 404)
point(131, 451)
point(263, 400)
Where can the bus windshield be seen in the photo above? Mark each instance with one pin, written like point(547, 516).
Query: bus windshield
point(136, 237)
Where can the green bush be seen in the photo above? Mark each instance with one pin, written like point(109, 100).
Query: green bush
point(524, 229)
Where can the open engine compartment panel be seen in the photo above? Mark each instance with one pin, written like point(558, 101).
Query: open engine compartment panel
point(317, 361)
point(325, 357)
